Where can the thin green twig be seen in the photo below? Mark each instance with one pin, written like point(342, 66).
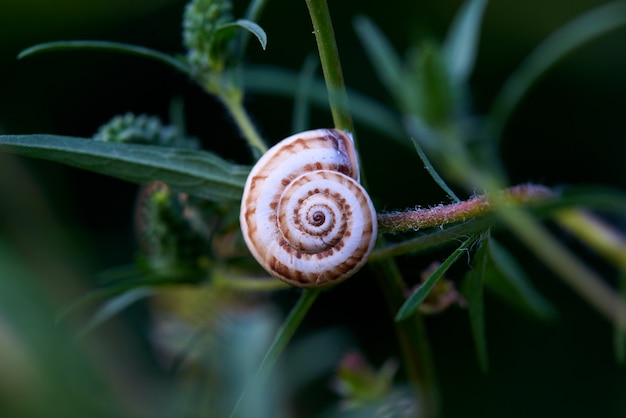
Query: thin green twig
point(234, 105)
point(331, 65)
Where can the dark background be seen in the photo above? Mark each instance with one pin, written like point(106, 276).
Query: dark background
point(570, 129)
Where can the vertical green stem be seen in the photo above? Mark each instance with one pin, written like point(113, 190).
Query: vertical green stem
point(331, 65)
point(411, 333)
point(413, 340)
point(234, 105)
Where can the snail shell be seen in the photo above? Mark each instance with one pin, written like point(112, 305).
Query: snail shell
point(304, 215)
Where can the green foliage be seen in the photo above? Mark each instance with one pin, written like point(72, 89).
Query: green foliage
point(117, 47)
point(191, 267)
point(417, 297)
point(209, 35)
point(506, 278)
point(204, 36)
point(143, 129)
point(461, 45)
point(427, 89)
point(475, 279)
point(201, 173)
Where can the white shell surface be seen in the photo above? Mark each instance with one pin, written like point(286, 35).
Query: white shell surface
point(304, 215)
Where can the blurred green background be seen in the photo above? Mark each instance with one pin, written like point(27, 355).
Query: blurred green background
point(60, 226)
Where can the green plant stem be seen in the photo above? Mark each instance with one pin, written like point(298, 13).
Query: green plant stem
point(233, 102)
point(331, 65)
point(411, 333)
point(413, 220)
point(567, 266)
point(226, 279)
point(555, 256)
point(412, 339)
point(434, 239)
point(596, 234)
point(286, 331)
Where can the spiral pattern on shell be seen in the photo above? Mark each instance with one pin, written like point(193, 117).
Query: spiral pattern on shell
point(304, 215)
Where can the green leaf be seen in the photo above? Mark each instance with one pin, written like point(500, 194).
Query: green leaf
point(427, 90)
point(433, 173)
point(582, 30)
point(302, 99)
point(123, 48)
point(422, 134)
point(197, 172)
point(114, 306)
point(438, 237)
point(508, 280)
point(476, 306)
point(124, 275)
point(250, 26)
point(462, 40)
point(381, 54)
point(413, 302)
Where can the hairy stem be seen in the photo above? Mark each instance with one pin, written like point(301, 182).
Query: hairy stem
point(436, 216)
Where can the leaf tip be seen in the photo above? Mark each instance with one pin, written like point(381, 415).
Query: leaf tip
point(401, 315)
point(25, 52)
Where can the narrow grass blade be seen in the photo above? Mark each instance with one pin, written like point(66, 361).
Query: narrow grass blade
point(461, 43)
point(302, 99)
point(249, 26)
point(433, 173)
point(197, 172)
point(509, 281)
point(381, 54)
point(116, 281)
point(476, 306)
point(438, 237)
point(575, 34)
point(413, 302)
point(123, 48)
point(114, 306)
point(253, 14)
